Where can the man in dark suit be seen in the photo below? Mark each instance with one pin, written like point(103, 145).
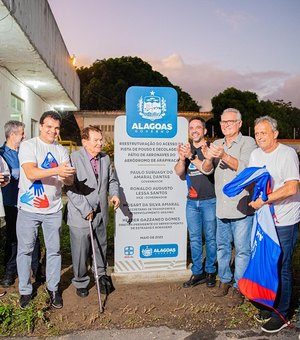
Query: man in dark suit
point(88, 202)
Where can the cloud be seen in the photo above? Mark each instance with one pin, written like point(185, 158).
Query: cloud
point(173, 62)
point(204, 81)
point(233, 19)
point(289, 91)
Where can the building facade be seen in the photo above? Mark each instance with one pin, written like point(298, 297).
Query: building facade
point(36, 70)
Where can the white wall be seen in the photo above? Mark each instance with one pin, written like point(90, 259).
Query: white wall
point(33, 108)
point(38, 23)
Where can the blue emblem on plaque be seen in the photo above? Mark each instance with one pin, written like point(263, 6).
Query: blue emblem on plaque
point(128, 251)
point(151, 112)
point(158, 250)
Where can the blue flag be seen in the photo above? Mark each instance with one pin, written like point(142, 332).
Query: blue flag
point(260, 280)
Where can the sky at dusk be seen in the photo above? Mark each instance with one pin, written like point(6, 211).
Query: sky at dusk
point(203, 46)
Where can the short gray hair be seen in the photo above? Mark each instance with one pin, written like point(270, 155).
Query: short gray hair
point(12, 126)
point(237, 112)
point(272, 121)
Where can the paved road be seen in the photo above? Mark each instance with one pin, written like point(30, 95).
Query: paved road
point(164, 333)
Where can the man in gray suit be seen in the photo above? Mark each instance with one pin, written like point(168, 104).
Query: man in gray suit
point(88, 202)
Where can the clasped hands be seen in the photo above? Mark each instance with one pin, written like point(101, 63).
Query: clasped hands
point(184, 151)
point(209, 152)
point(213, 151)
point(65, 171)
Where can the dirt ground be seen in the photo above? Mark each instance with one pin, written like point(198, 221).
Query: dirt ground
point(143, 305)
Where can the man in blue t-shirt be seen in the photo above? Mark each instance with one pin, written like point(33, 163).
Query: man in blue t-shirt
point(14, 134)
point(200, 206)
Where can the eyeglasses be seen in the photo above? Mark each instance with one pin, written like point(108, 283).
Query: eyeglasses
point(228, 122)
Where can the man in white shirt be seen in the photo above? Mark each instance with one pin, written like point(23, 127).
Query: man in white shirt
point(282, 163)
point(45, 167)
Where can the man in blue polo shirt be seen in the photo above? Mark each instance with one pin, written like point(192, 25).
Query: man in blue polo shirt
point(14, 134)
point(4, 180)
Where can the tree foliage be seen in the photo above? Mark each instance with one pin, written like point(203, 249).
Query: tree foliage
point(105, 82)
point(251, 108)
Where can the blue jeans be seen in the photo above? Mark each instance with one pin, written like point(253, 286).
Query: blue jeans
point(27, 232)
point(287, 236)
point(235, 232)
point(201, 216)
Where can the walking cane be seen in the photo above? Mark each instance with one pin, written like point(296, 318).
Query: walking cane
point(95, 266)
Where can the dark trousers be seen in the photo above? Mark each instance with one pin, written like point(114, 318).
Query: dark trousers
point(11, 245)
point(287, 236)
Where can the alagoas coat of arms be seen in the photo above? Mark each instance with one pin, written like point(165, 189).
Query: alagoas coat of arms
point(152, 107)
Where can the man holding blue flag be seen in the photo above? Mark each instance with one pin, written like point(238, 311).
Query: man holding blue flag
point(282, 163)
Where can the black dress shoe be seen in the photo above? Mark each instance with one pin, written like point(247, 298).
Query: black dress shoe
point(56, 300)
point(82, 292)
point(210, 280)
point(8, 281)
point(195, 280)
point(106, 285)
point(25, 300)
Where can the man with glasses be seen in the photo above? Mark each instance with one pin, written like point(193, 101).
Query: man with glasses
point(228, 157)
point(45, 167)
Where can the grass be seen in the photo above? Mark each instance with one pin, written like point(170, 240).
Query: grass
point(15, 321)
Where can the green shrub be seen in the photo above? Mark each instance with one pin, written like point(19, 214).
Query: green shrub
point(15, 321)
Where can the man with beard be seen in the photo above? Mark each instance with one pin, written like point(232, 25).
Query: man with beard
point(200, 206)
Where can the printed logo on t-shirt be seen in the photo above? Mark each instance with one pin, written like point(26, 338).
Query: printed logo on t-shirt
point(193, 171)
point(35, 195)
point(49, 162)
point(192, 192)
